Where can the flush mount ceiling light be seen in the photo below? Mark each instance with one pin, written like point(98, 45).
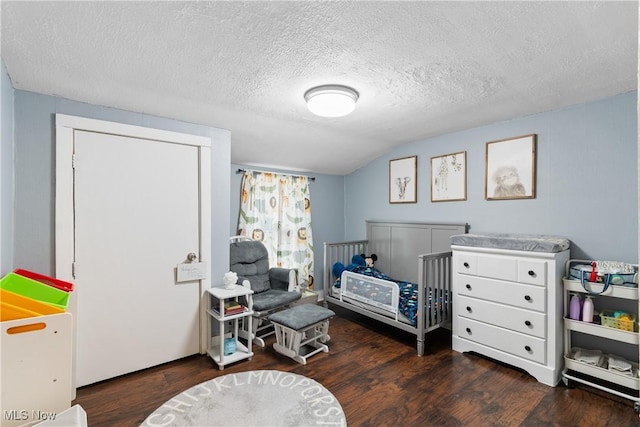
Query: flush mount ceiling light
point(331, 100)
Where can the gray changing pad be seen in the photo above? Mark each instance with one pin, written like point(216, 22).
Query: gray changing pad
point(516, 242)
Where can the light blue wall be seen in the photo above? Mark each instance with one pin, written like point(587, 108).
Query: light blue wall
point(35, 175)
point(586, 186)
point(6, 171)
point(327, 210)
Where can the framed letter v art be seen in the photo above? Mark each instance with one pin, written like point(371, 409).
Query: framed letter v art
point(403, 180)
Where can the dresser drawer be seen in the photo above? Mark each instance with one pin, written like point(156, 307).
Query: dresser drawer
point(515, 294)
point(525, 346)
point(532, 272)
point(496, 267)
point(519, 320)
point(464, 263)
point(486, 266)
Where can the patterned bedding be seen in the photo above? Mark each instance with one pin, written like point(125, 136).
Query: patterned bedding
point(408, 292)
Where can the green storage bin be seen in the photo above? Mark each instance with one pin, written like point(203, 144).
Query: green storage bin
point(32, 289)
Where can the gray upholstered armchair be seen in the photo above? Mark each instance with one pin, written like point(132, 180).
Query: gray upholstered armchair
point(274, 288)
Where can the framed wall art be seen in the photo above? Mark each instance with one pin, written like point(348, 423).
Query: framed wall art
point(449, 177)
point(510, 168)
point(403, 180)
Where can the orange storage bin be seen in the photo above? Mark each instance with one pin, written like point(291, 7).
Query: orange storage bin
point(15, 306)
point(56, 283)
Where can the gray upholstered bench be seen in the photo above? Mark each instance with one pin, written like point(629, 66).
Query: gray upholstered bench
point(301, 330)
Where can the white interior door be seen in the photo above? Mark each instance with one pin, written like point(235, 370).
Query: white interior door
point(136, 216)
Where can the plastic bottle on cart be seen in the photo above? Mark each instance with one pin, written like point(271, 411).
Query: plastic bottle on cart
point(587, 310)
point(575, 305)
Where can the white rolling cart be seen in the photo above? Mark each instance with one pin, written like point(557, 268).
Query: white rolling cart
point(228, 325)
point(594, 376)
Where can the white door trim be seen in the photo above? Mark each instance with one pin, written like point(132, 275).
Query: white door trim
point(64, 202)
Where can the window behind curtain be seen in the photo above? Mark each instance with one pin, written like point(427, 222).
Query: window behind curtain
point(276, 209)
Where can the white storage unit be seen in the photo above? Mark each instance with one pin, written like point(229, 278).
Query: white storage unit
point(75, 416)
point(619, 336)
point(36, 368)
point(508, 306)
point(217, 298)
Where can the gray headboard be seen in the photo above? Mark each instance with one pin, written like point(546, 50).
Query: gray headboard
point(398, 244)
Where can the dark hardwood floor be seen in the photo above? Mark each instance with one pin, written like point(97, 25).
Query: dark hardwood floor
point(374, 372)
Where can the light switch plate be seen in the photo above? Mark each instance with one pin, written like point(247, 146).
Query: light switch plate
point(190, 271)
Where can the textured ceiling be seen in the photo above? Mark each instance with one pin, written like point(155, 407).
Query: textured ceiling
point(422, 68)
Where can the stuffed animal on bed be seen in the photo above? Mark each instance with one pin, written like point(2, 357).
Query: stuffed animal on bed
point(362, 264)
point(369, 260)
point(356, 261)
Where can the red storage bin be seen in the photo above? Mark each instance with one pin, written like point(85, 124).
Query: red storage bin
point(56, 283)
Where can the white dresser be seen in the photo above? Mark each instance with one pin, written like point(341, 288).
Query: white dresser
point(508, 305)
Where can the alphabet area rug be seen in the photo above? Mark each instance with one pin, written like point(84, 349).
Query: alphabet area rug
point(253, 398)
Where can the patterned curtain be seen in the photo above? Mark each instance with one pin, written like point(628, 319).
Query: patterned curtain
point(276, 210)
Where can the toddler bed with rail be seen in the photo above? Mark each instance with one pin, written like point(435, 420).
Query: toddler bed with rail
point(410, 286)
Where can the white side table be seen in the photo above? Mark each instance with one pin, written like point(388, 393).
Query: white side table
point(217, 298)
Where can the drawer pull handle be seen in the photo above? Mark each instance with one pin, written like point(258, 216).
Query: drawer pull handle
point(532, 273)
point(469, 309)
point(468, 330)
point(527, 297)
point(468, 286)
point(466, 265)
point(526, 322)
point(526, 347)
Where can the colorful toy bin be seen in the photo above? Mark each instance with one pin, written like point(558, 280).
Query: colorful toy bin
point(23, 297)
point(56, 283)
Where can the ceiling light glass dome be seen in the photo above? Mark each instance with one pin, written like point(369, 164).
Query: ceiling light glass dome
point(331, 100)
